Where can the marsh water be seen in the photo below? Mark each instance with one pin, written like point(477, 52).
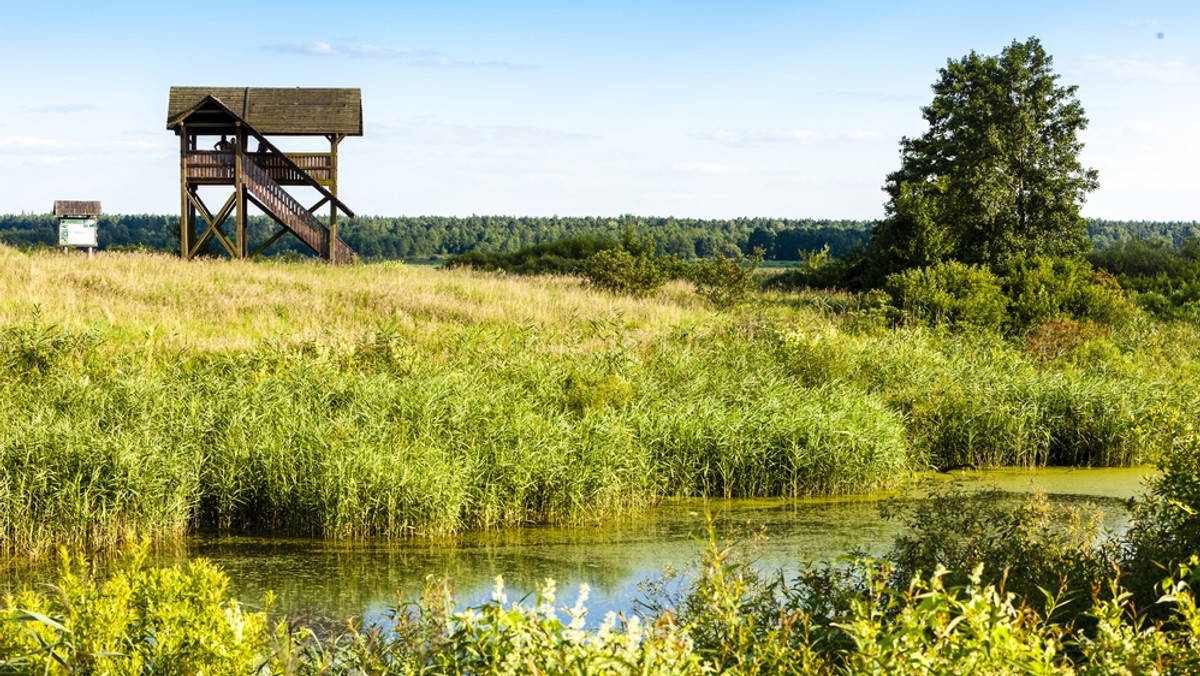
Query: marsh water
point(332, 579)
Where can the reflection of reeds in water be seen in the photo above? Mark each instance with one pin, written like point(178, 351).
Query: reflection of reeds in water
point(147, 396)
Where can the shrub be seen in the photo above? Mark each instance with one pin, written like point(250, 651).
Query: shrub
point(620, 271)
point(563, 256)
point(139, 620)
point(950, 293)
point(1042, 289)
point(1025, 545)
point(725, 282)
point(1166, 519)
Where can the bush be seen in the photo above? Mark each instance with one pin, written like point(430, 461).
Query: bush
point(1025, 545)
point(139, 620)
point(725, 282)
point(950, 293)
point(1166, 519)
point(563, 257)
point(620, 271)
point(1042, 289)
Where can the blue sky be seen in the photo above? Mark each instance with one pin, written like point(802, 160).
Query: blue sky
point(696, 109)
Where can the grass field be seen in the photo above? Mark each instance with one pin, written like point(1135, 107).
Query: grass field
point(143, 395)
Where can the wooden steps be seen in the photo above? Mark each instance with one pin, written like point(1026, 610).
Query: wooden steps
point(291, 214)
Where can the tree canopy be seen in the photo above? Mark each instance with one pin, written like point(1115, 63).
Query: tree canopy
point(996, 175)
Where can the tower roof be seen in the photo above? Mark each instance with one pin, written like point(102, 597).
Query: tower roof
point(283, 111)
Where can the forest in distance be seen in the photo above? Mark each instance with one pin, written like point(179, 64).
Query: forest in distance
point(408, 237)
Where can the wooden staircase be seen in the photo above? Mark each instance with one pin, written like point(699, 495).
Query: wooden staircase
point(269, 196)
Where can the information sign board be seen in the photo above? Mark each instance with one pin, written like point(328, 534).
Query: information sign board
point(77, 232)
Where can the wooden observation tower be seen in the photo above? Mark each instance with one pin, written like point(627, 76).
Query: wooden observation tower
point(228, 119)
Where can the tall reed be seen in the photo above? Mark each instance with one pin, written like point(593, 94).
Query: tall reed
point(141, 395)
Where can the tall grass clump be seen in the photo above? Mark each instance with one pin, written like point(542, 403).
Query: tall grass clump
point(739, 426)
point(989, 411)
point(89, 449)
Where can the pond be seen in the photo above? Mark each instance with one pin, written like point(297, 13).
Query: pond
point(336, 579)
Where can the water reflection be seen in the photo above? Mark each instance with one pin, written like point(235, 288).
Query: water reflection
point(330, 580)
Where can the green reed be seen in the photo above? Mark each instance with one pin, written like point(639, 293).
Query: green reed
point(405, 422)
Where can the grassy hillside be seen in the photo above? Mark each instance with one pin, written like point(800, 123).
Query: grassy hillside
point(143, 395)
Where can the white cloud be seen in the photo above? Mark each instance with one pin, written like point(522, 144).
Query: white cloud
point(1165, 71)
point(426, 58)
point(57, 108)
point(1137, 23)
point(757, 137)
point(701, 168)
point(430, 131)
point(28, 142)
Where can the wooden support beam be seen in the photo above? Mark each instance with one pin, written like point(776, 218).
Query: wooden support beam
point(214, 222)
point(334, 140)
point(243, 232)
point(274, 238)
point(187, 223)
point(267, 210)
point(200, 243)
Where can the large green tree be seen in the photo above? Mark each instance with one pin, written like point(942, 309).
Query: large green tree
point(996, 175)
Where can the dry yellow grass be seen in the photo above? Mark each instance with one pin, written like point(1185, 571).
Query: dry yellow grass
point(213, 305)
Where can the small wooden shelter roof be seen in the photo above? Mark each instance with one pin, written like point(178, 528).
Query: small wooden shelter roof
point(76, 209)
point(274, 110)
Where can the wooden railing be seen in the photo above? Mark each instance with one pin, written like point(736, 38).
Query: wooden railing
point(319, 166)
point(217, 166)
point(210, 164)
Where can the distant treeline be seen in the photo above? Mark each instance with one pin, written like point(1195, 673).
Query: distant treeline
point(381, 237)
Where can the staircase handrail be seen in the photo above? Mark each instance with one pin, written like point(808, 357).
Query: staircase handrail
point(264, 143)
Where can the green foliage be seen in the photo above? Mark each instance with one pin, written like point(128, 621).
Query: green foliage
point(1166, 519)
point(1124, 642)
point(997, 174)
point(1162, 280)
point(137, 620)
point(584, 394)
point(1043, 289)
point(950, 293)
point(621, 272)
point(565, 256)
point(632, 269)
point(1020, 414)
point(1106, 234)
point(1028, 293)
point(819, 270)
point(725, 282)
point(522, 637)
point(914, 235)
point(930, 628)
point(493, 237)
point(34, 347)
point(1029, 546)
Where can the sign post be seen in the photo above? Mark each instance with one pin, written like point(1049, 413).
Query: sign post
point(77, 224)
